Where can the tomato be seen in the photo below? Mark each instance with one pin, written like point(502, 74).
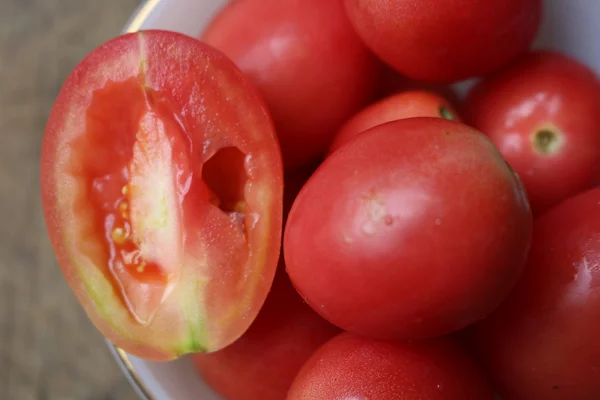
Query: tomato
point(162, 191)
point(446, 40)
point(415, 228)
point(306, 60)
point(400, 106)
point(263, 363)
point(354, 367)
point(543, 114)
point(391, 82)
point(543, 341)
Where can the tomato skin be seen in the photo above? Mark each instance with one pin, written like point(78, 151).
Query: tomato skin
point(188, 314)
point(399, 106)
point(306, 60)
point(263, 363)
point(416, 228)
point(542, 343)
point(354, 367)
point(445, 40)
point(543, 91)
point(391, 82)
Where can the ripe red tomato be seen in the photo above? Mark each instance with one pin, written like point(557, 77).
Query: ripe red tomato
point(543, 114)
point(446, 40)
point(308, 63)
point(163, 200)
point(263, 363)
point(354, 367)
point(415, 228)
point(543, 341)
point(391, 82)
point(399, 106)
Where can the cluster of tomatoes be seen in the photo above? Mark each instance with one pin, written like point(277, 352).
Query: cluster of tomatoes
point(433, 247)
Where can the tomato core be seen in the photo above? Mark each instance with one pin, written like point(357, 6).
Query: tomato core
point(137, 172)
point(546, 141)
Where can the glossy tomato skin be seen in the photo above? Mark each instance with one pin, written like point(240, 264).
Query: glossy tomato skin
point(446, 40)
point(306, 60)
point(263, 363)
point(354, 367)
point(416, 228)
point(127, 143)
point(542, 343)
point(543, 114)
point(403, 105)
point(391, 82)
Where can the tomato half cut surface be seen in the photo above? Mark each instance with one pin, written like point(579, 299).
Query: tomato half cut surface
point(162, 190)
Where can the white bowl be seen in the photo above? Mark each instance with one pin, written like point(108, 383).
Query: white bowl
point(570, 26)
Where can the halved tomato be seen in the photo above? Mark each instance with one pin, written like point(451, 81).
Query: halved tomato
point(162, 190)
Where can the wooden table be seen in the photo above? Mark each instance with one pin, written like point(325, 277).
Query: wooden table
point(48, 348)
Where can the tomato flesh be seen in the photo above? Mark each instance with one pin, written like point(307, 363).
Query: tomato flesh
point(172, 184)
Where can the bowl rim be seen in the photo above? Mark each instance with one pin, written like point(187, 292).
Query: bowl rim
point(135, 22)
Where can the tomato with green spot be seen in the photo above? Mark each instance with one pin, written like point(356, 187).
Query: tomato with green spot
point(162, 190)
point(409, 104)
point(543, 114)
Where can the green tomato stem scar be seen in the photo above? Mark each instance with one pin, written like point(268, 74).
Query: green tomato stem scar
point(546, 140)
point(446, 113)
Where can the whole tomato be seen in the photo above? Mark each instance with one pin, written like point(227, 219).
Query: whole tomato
point(415, 228)
point(446, 40)
point(263, 363)
point(543, 114)
point(306, 60)
point(542, 343)
point(354, 367)
point(403, 105)
point(391, 82)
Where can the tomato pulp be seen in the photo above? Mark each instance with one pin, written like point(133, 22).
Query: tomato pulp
point(415, 228)
point(162, 190)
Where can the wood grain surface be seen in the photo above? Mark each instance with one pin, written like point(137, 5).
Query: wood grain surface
point(48, 348)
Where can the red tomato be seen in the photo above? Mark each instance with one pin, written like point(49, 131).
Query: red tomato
point(353, 367)
point(306, 60)
point(163, 200)
point(543, 341)
point(263, 363)
point(399, 106)
point(391, 82)
point(446, 40)
point(543, 114)
point(415, 228)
